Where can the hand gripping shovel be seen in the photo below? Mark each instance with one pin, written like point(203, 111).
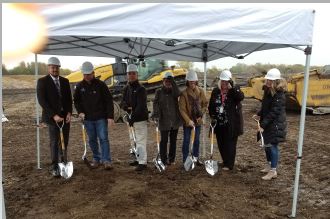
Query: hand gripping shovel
point(259, 134)
point(189, 164)
point(157, 161)
point(211, 166)
point(85, 145)
point(65, 167)
point(132, 138)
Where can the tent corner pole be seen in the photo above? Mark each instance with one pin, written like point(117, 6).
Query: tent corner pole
point(37, 110)
point(308, 52)
point(204, 117)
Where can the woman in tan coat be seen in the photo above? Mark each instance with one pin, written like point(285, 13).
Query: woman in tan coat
point(192, 106)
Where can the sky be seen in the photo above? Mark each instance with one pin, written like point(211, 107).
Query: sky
point(320, 54)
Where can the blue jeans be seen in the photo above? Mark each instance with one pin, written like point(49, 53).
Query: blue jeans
point(99, 129)
point(272, 154)
point(186, 142)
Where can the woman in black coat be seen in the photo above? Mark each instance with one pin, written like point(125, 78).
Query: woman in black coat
point(272, 119)
point(226, 108)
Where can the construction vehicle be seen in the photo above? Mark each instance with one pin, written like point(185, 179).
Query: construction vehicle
point(114, 75)
point(318, 99)
point(150, 75)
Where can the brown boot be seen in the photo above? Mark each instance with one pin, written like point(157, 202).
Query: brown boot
point(95, 164)
point(108, 166)
point(272, 174)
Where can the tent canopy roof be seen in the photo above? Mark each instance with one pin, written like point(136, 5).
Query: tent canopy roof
point(171, 31)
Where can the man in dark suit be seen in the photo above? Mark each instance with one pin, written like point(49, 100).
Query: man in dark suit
point(54, 96)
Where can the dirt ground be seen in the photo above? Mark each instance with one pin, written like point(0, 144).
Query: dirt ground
point(123, 193)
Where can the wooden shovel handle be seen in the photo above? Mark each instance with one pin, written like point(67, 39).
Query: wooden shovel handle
point(193, 135)
point(62, 140)
point(84, 133)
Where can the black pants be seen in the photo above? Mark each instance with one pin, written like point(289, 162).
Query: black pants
point(55, 142)
point(163, 145)
point(227, 146)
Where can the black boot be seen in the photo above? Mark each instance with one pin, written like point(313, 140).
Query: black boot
point(133, 163)
point(55, 171)
point(141, 167)
point(199, 162)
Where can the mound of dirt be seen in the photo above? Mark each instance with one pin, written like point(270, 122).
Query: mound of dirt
point(18, 81)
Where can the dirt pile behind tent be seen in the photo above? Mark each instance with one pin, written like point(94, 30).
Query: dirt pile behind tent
point(122, 193)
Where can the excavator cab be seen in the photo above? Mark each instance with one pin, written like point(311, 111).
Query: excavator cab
point(150, 67)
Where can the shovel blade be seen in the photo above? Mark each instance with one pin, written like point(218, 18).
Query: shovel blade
point(66, 170)
point(211, 167)
point(189, 164)
point(134, 152)
point(159, 165)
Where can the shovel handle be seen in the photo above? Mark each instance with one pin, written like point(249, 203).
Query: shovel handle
point(84, 133)
point(157, 135)
point(62, 139)
point(212, 141)
point(258, 122)
point(133, 133)
point(192, 139)
point(193, 135)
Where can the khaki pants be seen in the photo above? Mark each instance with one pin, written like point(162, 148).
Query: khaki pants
point(141, 131)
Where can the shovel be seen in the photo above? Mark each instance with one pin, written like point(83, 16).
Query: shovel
point(132, 138)
point(259, 134)
point(189, 164)
point(65, 167)
point(85, 145)
point(211, 166)
point(157, 161)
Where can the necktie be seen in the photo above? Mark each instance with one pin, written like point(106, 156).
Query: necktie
point(57, 83)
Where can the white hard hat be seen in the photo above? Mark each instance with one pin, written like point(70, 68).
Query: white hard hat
point(87, 68)
point(225, 75)
point(167, 74)
point(191, 76)
point(54, 61)
point(132, 67)
point(273, 74)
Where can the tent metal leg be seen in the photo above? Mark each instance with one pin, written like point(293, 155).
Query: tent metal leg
point(37, 111)
point(2, 197)
point(3, 204)
point(204, 117)
point(301, 131)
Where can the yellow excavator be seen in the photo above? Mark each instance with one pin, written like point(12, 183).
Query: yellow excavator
point(150, 75)
point(318, 99)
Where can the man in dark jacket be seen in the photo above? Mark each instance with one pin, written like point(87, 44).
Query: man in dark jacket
point(54, 96)
point(94, 105)
point(134, 102)
point(166, 109)
point(226, 108)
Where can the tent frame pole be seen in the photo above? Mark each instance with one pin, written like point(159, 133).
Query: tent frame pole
point(2, 196)
point(204, 117)
point(37, 110)
point(308, 52)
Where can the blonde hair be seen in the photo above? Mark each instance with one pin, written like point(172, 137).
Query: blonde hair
point(278, 85)
point(229, 85)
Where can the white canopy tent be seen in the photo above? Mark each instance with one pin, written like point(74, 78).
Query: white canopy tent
point(189, 32)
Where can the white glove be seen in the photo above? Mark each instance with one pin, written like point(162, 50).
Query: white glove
point(191, 123)
point(82, 116)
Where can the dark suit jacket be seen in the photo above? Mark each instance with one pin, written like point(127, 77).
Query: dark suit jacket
point(50, 100)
